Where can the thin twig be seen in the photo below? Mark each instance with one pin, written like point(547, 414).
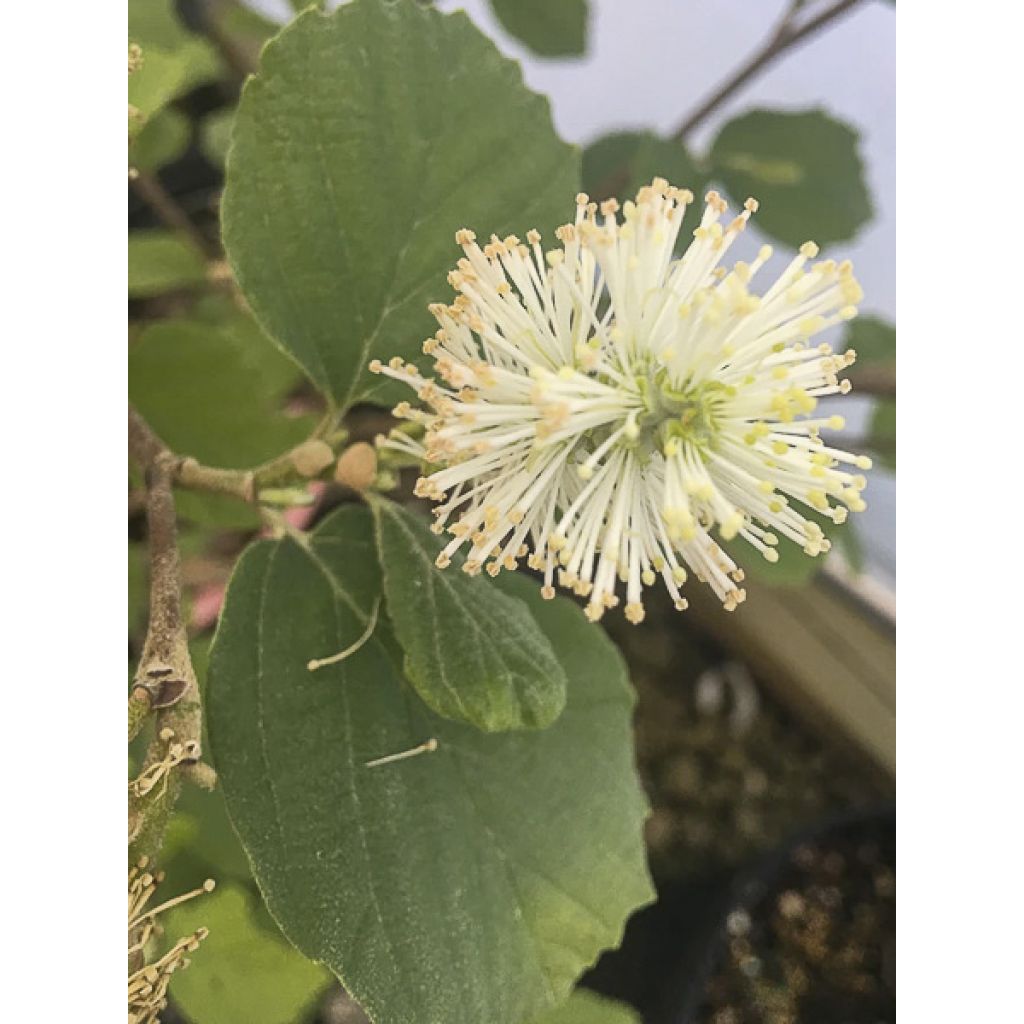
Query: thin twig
point(786, 35)
point(144, 445)
point(236, 55)
point(166, 207)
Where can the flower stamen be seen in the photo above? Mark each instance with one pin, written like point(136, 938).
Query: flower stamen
point(605, 409)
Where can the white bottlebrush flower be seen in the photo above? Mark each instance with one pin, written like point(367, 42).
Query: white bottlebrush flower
point(606, 409)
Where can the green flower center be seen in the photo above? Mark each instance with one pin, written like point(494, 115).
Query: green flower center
point(690, 413)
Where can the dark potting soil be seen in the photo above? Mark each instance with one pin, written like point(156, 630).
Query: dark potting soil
point(819, 943)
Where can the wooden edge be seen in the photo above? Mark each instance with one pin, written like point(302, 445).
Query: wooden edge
point(832, 665)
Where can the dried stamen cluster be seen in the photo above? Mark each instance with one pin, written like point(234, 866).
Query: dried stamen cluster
point(147, 983)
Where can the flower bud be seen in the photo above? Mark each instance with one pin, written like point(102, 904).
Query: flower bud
point(357, 466)
point(312, 457)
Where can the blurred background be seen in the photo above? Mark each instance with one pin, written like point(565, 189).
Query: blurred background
point(765, 739)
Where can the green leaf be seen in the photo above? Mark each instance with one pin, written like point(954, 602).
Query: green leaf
point(154, 85)
point(242, 973)
point(162, 140)
point(154, 24)
point(882, 432)
point(201, 843)
point(248, 26)
point(473, 883)
point(159, 261)
point(550, 28)
point(849, 542)
point(215, 393)
point(804, 168)
point(585, 1007)
point(873, 339)
point(619, 164)
point(215, 135)
point(279, 370)
point(472, 653)
point(368, 138)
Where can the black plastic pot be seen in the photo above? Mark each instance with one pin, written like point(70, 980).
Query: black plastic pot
point(671, 949)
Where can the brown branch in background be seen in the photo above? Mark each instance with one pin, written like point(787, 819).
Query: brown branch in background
point(787, 35)
point(166, 207)
point(876, 380)
point(239, 58)
point(172, 216)
point(235, 55)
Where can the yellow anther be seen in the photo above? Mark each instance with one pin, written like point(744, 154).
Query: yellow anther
point(811, 325)
point(731, 526)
